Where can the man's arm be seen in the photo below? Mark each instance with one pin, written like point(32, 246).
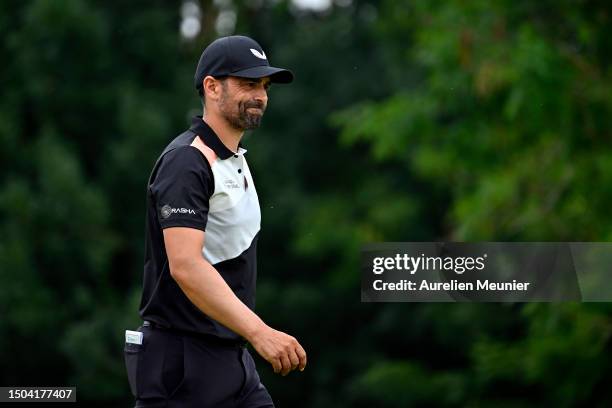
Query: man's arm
point(206, 289)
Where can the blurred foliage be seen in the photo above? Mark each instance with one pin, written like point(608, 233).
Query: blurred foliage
point(408, 121)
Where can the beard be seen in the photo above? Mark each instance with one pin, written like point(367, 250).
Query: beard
point(238, 116)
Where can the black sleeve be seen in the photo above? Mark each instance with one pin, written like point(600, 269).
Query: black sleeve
point(182, 189)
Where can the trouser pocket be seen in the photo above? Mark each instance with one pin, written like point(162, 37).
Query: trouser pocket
point(132, 354)
point(173, 371)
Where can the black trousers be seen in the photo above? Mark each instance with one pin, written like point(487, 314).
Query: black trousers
point(173, 369)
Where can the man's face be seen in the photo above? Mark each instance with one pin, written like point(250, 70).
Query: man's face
point(243, 101)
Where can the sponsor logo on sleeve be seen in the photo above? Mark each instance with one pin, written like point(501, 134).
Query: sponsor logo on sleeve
point(167, 211)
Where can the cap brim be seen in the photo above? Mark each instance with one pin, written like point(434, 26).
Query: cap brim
point(277, 75)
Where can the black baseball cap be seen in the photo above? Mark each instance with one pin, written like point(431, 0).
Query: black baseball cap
point(237, 56)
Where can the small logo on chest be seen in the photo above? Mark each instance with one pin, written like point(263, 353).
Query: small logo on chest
point(231, 184)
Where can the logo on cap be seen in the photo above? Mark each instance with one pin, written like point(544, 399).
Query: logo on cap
point(260, 55)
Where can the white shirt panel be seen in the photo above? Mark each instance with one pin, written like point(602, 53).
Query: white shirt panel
point(234, 216)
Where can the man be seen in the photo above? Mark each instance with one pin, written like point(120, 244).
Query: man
point(203, 221)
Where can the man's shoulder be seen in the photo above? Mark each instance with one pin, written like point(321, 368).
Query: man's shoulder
point(184, 157)
point(181, 155)
point(184, 149)
point(184, 139)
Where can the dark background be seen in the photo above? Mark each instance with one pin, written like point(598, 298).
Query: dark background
point(408, 121)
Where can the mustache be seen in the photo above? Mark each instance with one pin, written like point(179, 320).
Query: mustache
point(254, 104)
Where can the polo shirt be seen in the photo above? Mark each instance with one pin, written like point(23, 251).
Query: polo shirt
point(197, 182)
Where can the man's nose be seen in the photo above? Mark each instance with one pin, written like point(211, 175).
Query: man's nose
point(261, 94)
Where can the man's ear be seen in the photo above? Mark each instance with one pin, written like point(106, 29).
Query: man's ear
point(211, 88)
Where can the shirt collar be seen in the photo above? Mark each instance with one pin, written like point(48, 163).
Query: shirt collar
point(210, 139)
